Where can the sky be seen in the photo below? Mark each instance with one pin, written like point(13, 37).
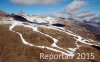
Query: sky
point(31, 8)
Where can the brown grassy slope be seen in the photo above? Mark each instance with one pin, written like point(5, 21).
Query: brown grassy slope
point(13, 50)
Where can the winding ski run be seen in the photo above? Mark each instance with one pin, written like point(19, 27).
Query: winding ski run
point(68, 52)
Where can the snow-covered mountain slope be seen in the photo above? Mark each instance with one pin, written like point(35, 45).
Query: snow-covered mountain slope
point(24, 41)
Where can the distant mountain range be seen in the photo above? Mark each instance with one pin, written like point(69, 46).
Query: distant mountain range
point(86, 16)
